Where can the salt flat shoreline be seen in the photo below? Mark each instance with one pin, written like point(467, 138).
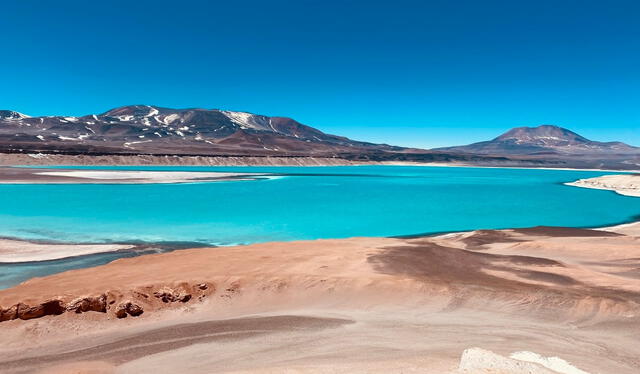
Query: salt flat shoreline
point(17, 175)
point(624, 184)
point(17, 250)
point(38, 175)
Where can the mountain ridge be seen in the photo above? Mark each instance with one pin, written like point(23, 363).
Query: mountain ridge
point(155, 130)
point(151, 134)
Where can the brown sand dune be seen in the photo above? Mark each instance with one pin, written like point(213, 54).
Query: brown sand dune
point(355, 305)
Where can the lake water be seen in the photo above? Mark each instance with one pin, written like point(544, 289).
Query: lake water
point(303, 203)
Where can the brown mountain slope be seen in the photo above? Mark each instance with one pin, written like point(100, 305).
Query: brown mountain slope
point(154, 130)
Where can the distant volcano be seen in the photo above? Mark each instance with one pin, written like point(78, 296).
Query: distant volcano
point(544, 139)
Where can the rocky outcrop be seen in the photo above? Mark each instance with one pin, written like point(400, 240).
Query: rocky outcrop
point(128, 309)
point(119, 304)
point(24, 311)
point(169, 295)
point(88, 304)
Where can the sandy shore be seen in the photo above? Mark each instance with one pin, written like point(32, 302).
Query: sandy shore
point(624, 184)
point(68, 176)
point(357, 305)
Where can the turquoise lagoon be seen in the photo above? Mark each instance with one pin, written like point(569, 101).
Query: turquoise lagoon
point(301, 203)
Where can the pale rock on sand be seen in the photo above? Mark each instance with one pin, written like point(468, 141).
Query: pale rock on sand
point(480, 361)
point(624, 184)
point(477, 361)
point(554, 363)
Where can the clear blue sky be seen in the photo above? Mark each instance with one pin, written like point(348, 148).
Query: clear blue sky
point(417, 73)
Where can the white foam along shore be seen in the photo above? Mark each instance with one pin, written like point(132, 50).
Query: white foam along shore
point(135, 176)
point(13, 251)
point(624, 184)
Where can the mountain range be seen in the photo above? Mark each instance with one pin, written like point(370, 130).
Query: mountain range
point(157, 131)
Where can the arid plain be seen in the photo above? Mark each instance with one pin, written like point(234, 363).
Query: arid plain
point(353, 305)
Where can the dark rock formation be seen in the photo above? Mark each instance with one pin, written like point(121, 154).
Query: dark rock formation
point(128, 308)
point(88, 304)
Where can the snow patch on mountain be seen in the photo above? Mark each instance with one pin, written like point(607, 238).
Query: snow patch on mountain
point(248, 120)
point(12, 115)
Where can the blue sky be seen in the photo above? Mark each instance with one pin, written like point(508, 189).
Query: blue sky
point(414, 73)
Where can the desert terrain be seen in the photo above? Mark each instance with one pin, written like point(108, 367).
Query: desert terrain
point(546, 300)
